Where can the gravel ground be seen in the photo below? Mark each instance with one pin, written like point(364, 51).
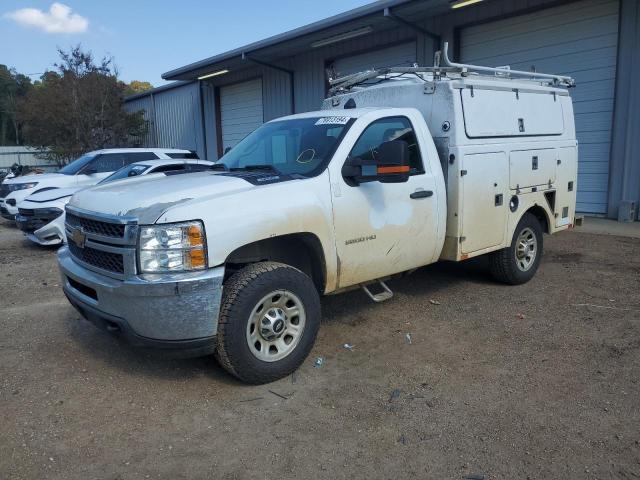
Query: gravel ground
point(497, 382)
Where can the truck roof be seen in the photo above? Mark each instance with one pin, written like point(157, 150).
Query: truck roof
point(351, 113)
point(141, 149)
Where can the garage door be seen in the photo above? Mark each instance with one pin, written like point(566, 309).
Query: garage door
point(578, 39)
point(400, 55)
point(240, 111)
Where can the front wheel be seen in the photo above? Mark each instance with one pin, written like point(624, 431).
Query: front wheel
point(519, 262)
point(269, 318)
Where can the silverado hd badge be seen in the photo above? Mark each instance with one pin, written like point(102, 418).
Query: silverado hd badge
point(79, 237)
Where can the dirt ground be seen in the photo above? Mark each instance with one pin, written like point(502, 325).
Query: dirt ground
point(497, 382)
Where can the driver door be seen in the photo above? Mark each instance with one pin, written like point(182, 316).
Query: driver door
point(383, 228)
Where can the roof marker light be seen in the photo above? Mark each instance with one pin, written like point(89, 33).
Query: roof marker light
point(463, 3)
point(214, 74)
point(342, 36)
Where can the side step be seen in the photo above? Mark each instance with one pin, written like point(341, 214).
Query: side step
point(383, 296)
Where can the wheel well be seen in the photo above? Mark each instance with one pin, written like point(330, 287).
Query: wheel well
point(540, 213)
point(300, 250)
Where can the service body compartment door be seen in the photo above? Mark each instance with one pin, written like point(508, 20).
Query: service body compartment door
point(529, 168)
point(505, 113)
point(565, 206)
point(484, 200)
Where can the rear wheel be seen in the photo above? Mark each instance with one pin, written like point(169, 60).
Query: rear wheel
point(269, 319)
point(519, 262)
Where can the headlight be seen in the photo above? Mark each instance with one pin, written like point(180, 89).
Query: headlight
point(173, 247)
point(22, 186)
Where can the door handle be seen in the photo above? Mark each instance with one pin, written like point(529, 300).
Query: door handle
point(421, 194)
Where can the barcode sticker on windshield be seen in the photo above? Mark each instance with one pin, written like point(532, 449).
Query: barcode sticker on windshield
point(332, 121)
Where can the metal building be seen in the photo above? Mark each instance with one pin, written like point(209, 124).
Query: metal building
point(173, 115)
point(218, 100)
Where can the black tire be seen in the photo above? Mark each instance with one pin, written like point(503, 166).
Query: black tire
point(241, 295)
point(504, 264)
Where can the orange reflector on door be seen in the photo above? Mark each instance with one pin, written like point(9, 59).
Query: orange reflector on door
point(395, 169)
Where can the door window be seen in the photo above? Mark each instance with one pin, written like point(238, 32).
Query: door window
point(386, 130)
point(107, 162)
point(169, 168)
point(134, 157)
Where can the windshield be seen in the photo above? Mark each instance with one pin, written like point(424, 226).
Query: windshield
point(132, 170)
point(300, 146)
point(75, 166)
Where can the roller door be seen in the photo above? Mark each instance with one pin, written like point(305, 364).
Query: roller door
point(577, 39)
point(240, 111)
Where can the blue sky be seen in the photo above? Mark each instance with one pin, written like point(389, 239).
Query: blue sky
point(147, 38)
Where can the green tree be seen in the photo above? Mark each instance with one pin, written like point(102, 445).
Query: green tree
point(78, 109)
point(136, 86)
point(13, 89)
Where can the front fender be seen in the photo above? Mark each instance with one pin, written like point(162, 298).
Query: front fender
point(290, 207)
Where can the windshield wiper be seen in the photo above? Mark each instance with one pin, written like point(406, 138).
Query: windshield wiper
point(263, 167)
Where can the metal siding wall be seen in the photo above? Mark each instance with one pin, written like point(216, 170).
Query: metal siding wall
point(145, 104)
point(624, 179)
point(178, 120)
point(174, 118)
point(576, 39)
point(209, 114)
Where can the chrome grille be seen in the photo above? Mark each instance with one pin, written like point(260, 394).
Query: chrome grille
point(104, 229)
point(101, 242)
point(112, 262)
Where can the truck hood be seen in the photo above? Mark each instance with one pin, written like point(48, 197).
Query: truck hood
point(148, 199)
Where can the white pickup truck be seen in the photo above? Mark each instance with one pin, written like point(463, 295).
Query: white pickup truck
point(401, 168)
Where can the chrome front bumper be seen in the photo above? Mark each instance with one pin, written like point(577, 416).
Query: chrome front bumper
point(166, 311)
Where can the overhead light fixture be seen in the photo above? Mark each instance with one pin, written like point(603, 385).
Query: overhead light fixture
point(214, 74)
point(342, 36)
point(463, 3)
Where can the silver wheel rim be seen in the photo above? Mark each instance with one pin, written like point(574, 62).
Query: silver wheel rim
point(526, 249)
point(275, 326)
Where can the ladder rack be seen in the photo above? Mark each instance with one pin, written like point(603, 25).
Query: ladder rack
point(442, 66)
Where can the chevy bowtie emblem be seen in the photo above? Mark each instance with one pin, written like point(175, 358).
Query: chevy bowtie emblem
point(79, 237)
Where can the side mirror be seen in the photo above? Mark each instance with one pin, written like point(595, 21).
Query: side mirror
point(227, 150)
point(390, 164)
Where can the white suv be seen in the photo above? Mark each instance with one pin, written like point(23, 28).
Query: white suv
point(87, 170)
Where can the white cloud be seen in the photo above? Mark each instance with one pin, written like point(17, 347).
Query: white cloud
point(59, 19)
